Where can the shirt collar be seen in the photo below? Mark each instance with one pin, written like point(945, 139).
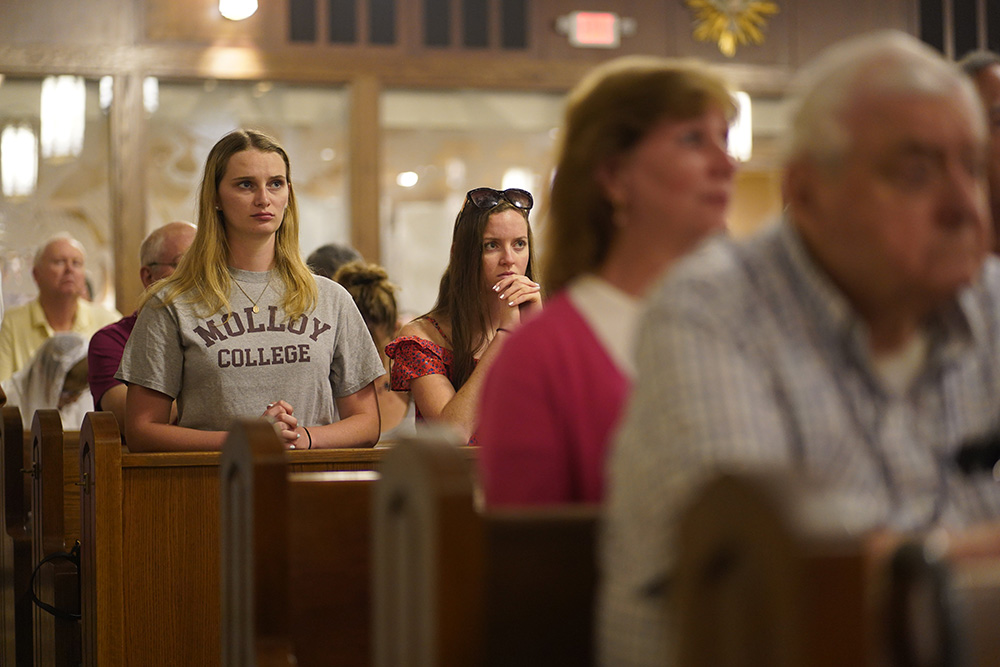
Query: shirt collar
point(951, 331)
point(38, 320)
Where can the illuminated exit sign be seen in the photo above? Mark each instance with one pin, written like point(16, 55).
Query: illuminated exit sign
point(595, 30)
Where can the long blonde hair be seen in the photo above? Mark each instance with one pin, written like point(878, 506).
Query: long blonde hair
point(203, 277)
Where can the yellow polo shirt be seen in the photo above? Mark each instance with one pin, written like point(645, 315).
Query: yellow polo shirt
point(25, 328)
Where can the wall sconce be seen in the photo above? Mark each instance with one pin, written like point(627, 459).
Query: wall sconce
point(63, 115)
point(18, 160)
point(741, 131)
point(237, 10)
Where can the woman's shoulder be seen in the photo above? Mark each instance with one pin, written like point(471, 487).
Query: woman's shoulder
point(429, 328)
point(330, 288)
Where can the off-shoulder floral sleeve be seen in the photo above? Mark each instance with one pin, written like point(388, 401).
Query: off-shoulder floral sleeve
point(414, 357)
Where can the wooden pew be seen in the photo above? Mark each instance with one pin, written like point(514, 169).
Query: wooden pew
point(151, 549)
point(15, 554)
point(55, 527)
point(458, 586)
point(295, 552)
point(770, 572)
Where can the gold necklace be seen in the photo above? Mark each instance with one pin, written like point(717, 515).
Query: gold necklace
point(253, 302)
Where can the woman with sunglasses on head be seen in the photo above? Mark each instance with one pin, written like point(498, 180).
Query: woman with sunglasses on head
point(642, 177)
point(242, 329)
point(487, 289)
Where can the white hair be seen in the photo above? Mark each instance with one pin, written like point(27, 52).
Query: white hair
point(884, 63)
point(151, 246)
point(62, 236)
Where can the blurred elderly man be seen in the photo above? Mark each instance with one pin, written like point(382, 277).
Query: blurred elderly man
point(59, 274)
point(159, 255)
point(984, 68)
point(856, 342)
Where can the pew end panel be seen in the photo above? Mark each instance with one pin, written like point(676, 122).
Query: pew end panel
point(772, 570)
point(459, 586)
point(764, 570)
point(101, 604)
point(296, 552)
point(15, 554)
point(55, 506)
point(429, 559)
point(252, 474)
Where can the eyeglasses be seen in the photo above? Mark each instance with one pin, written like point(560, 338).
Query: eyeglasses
point(172, 265)
point(487, 198)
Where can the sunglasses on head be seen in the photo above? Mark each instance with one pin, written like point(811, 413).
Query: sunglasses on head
point(486, 198)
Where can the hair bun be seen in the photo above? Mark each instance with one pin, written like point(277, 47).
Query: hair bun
point(361, 274)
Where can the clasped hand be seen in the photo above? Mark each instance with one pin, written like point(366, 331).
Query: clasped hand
point(280, 414)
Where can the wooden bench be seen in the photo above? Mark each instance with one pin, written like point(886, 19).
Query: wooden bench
point(769, 572)
point(55, 527)
point(151, 557)
point(296, 549)
point(15, 554)
point(458, 586)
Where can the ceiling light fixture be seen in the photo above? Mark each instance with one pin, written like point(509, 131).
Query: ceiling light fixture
point(18, 160)
point(63, 116)
point(237, 10)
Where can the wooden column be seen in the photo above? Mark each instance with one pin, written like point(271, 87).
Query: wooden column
point(364, 170)
point(128, 187)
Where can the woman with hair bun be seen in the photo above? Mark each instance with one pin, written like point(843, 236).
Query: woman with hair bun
point(375, 297)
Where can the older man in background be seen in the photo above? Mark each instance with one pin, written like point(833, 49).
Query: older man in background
point(58, 272)
point(159, 255)
point(856, 343)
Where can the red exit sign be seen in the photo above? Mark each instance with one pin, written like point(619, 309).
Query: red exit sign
point(599, 30)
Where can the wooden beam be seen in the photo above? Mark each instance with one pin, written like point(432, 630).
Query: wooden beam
point(128, 187)
point(364, 167)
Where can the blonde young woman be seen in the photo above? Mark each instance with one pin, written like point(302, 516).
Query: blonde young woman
point(642, 177)
point(242, 328)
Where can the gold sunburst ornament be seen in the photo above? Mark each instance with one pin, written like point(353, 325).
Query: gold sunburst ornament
point(730, 22)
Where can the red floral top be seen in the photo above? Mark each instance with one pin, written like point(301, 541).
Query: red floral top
point(414, 357)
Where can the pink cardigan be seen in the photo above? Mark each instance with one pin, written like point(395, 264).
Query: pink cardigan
point(548, 408)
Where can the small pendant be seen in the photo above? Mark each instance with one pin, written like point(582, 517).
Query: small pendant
point(256, 309)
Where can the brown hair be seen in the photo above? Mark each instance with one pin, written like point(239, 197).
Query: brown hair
point(607, 114)
point(374, 295)
point(460, 293)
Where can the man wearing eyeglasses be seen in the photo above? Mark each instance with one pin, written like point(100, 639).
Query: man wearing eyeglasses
point(159, 254)
point(58, 270)
point(853, 344)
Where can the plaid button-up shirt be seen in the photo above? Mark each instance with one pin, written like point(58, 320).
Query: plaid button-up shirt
point(748, 356)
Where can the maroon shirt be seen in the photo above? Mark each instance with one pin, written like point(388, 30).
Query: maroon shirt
point(105, 354)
